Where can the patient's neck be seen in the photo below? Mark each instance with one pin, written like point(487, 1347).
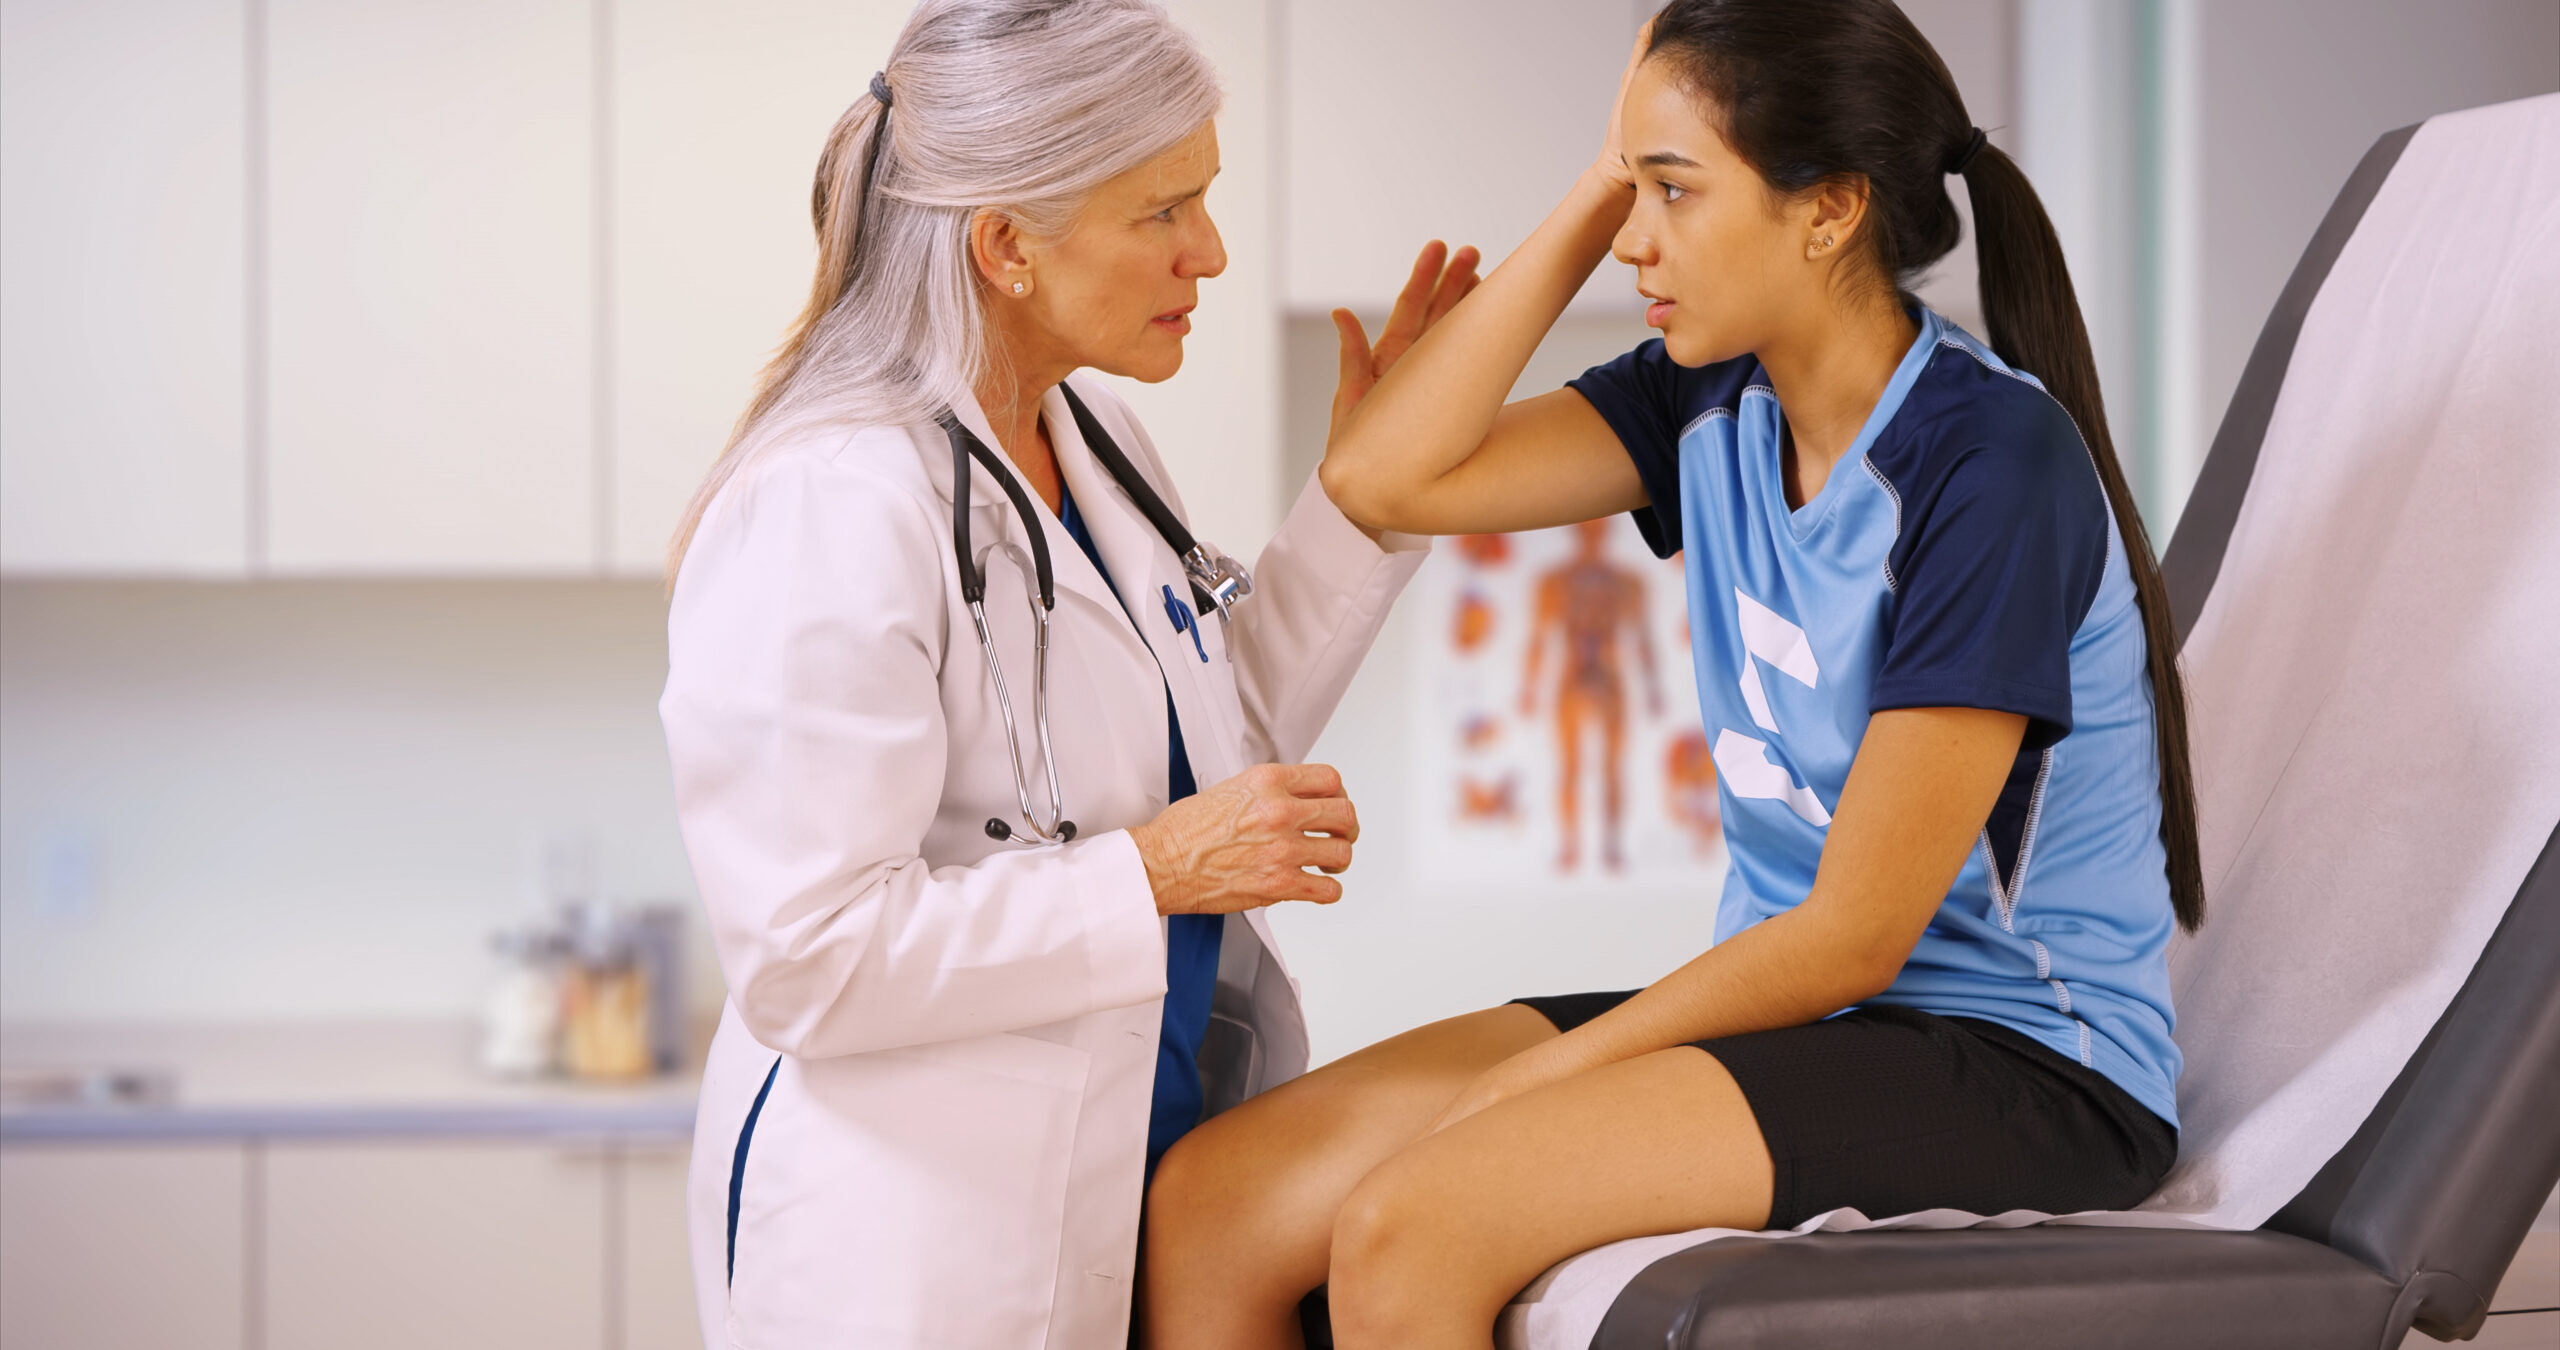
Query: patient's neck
point(1828, 377)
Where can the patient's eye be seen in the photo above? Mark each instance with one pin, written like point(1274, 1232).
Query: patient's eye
point(1672, 192)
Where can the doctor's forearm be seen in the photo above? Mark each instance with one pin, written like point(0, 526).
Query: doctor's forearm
point(1439, 401)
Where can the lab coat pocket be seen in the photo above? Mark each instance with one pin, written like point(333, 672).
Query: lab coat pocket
point(911, 1197)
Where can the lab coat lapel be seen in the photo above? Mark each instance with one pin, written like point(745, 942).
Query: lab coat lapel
point(1144, 566)
point(1067, 562)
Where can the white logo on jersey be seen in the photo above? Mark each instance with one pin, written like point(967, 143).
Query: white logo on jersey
point(1742, 760)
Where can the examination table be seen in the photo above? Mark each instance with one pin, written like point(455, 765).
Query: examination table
point(2412, 1223)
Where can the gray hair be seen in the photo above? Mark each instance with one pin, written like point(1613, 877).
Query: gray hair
point(1024, 107)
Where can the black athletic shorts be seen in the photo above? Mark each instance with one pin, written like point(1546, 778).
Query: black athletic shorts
point(1891, 1110)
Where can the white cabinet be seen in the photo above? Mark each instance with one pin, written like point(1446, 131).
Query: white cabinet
point(123, 200)
point(655, 1302)
point(432, 1245)
point(479, 287)
point(433, 292)
point(104, 1247)
point(1463, 120)
point(719, 116)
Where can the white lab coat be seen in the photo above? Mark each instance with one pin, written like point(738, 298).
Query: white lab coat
point(961, 1033)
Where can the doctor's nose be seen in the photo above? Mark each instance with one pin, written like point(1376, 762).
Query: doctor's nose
point(1204, 255)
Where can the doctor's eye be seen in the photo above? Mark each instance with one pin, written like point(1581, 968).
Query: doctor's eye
point(1672, 192)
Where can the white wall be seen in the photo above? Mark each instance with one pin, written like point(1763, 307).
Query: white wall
point(312, 799)
point(2289, 95)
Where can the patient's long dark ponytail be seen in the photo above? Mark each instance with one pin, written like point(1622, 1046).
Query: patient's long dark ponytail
point(1814, 91)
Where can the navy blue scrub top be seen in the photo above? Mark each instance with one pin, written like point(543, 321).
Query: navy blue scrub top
point(1191, 940)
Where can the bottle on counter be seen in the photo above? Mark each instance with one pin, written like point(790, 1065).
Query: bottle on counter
point(520, 1024)
point(657, 935)
point(606, 1026)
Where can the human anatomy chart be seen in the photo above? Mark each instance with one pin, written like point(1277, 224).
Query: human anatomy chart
point(1556, 715)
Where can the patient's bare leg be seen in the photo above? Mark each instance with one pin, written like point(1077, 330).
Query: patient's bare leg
point(1434, 1241)
point(1241, 1216)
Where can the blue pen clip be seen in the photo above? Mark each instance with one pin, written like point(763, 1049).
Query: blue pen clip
point(1184, 621)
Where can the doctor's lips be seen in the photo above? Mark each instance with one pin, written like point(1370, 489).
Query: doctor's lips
point(1176, 320)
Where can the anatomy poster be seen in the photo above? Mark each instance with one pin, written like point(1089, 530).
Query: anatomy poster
point(1557, 715)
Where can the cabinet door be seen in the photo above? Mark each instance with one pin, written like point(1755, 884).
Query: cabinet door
point(105, 1247)
point(433, 288)
point(1462, 120)
point(123, 201)
point(657, 1304)
point(721, 111)
point(434, 1245)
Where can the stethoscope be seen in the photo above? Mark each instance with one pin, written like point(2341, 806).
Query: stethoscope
point(1217, 581)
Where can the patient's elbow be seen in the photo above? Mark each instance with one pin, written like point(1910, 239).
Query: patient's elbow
point(1862, 970)
point(1355, 494)
point(1341, 486)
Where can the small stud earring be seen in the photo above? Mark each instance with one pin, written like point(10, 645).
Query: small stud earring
point(1017, 288)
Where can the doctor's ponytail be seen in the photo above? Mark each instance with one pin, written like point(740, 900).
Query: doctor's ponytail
point(1811, 92)
point(1022, 107)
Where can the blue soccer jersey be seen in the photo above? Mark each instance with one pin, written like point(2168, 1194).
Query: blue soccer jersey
point(1962, 554)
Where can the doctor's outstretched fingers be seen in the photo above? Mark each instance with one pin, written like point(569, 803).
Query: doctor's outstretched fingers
point(1247, 842)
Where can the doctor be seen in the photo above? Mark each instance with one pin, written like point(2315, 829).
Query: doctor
point(988, 952)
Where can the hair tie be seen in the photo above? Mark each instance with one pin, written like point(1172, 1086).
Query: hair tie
point(871, 164)
point(1958, 162)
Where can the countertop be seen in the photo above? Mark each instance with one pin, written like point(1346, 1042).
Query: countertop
point(348, 1079)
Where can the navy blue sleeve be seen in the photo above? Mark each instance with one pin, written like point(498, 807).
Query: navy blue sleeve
point(1648, 399)
point(2003, 543)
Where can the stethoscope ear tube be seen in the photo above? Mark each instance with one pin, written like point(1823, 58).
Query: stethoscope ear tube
point(973, 578)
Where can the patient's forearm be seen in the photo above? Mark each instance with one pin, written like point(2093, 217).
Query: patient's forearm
point(1438, 404)
point(1915, 800)
point(1787, 971)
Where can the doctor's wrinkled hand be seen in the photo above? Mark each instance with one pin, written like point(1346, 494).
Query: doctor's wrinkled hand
point(1247, 842)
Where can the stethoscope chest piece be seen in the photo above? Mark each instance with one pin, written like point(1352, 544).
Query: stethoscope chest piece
point(1220, 580)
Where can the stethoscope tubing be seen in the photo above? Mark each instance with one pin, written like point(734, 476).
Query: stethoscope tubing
point(1216, 581)
point(1056, 829)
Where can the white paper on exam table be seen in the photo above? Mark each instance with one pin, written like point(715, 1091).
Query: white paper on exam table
point(2383, 623)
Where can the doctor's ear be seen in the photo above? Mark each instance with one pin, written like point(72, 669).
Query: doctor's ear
point(998, 249)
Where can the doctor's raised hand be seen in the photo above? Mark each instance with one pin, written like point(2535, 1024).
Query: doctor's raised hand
point(987, 766)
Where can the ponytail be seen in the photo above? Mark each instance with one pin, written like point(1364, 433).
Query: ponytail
point(1815, 91)
point(835, 210)
point(2034, 320)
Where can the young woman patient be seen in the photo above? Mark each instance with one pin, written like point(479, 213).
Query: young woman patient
point(1934, 660)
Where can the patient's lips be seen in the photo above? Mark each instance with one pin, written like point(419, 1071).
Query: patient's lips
point(1658, 311)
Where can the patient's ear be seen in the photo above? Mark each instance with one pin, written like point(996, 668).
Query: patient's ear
point(1833, 213)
